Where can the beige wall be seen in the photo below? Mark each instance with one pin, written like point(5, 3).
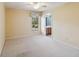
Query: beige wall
point(2, 26)
point(66, 23)
point(19, 24)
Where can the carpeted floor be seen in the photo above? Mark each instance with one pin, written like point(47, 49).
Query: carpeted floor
point(37, 46)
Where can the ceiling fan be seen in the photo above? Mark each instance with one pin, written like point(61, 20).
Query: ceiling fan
point(37, 5)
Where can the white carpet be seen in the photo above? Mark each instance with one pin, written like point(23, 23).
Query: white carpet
point(38, 46)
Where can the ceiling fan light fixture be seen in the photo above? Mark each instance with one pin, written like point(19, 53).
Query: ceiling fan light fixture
point(36, 6)
point(31, 3)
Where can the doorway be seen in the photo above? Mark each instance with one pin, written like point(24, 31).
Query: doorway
point(46, 24)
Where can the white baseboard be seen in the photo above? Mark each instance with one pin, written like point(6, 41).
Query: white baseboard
point(16, 37)
point(2, 46)
point(68, 44)
point(19, 37)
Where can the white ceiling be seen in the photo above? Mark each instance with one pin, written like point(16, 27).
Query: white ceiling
point(27, 6)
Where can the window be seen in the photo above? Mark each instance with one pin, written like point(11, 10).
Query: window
point(34, 23)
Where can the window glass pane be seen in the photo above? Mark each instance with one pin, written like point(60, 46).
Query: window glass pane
point(34, 22)
point(48, 21)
